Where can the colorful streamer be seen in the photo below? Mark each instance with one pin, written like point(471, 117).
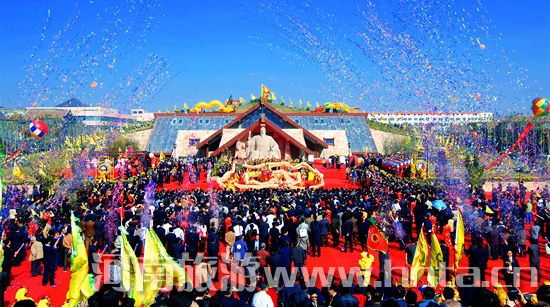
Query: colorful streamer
point(522, 136)
point(16, 153)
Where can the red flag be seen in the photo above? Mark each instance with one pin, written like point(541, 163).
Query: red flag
point(377, 241)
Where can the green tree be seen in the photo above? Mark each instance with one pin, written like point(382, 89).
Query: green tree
point(400, 146)
point(121, 144)
point(475, 171)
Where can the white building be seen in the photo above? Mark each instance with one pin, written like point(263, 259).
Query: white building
point(141, 115)
point(98, 116)
point(423, 118)
point(94, 116)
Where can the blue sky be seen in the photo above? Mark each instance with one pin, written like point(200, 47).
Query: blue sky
point(158, 54)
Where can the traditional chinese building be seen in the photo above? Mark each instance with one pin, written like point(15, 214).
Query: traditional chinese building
point(297, 134)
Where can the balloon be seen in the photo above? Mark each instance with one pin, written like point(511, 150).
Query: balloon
point(38, 128)
point(540, 107)
point(93, 85)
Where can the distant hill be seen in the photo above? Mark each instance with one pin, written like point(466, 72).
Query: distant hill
point(71, 103)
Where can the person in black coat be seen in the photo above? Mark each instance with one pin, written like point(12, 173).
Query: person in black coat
point(285, 251)
point(298, 258)
point(347, 232)
point(534, 256)
point(274, 236)
point(7, 264)
point(346, 299)
point(93, 256)
point(275, 261)
point(445, 252)
point(335, 224)
point(478, 258)
point(325, 229)
point(192, 243)
point(510, 264)
point(315, 238)
point(213, 250)
point(264, 232)
point(51, 255)
point(363, 231)
point(99, 232)
point(20, 239)
point(171, 242)
point(494, 242)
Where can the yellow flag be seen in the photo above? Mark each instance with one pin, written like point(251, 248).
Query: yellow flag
point(282, 99)
point(501, 293)
point(132, 279)
point(290, 102)
point(153, 270)
point(176, 276)
point(185, 106)
point(81, 285)
point(241, 100)
point(176, 109)
point(316, 104)
point(308, 104)
point(252, 97)
point(17, 172)
point(436, 258)
point(459, 245)
point(91, 141)
point(265, 92)
point(273, 96)
point(300, 103)
point(41, 171)
point(420, 259)
point(162, 157)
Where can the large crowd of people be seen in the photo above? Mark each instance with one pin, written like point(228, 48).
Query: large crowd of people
point(281, 228)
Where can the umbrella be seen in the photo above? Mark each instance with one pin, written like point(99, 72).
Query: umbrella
point(439, 204)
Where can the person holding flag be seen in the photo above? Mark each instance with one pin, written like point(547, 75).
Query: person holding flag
point(378, 242)
point(436, 258)
point(420, 259)
point(81, 285)
point(459, 241)
point(131, 274)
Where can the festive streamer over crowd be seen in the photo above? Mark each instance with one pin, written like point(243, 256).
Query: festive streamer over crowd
point(437, 56)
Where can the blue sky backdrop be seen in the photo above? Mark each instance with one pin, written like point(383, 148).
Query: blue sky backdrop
point(378, 55)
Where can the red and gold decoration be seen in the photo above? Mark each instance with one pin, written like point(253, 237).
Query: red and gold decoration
point(271, 175)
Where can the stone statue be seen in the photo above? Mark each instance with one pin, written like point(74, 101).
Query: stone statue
point(240, 150)
point(262, 147)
